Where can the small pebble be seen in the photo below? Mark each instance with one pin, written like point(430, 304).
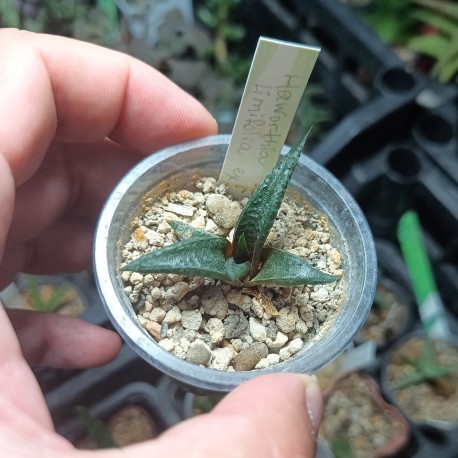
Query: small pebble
point(250, 356)
point(221, 357)
point(173, 315)
point(191, 319)
point(199, 353)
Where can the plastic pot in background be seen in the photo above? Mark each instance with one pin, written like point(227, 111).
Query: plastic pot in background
point(392, 315)
point(358, 422)
point(146, 411)
point(62, 294)
point(432, 401)
point(174, 166)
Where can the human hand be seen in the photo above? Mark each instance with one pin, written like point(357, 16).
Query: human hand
point(73, 119)
point(271, 416)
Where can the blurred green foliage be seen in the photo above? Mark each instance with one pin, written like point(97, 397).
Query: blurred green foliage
point(426, 27)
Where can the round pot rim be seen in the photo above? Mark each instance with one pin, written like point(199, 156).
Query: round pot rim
point(399, 439)
point(198, 377)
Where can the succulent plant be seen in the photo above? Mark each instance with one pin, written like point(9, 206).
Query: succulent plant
point(199, 253)
point(425, 369)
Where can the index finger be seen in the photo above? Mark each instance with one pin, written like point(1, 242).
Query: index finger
point(78, 92)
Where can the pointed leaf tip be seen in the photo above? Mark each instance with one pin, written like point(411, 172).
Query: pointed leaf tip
point(260, 212)
point(282, 268)
point(301, 144)
point(195, 256)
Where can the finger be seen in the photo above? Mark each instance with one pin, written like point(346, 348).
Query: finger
point(7, 197)
point(72, 179)
point(269, 416)
point(61, 204)
point(84, 93)
point(19, 385)
point(65, 247)
point(59, 341)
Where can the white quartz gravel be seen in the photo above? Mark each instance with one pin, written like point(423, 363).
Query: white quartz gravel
point(230, 326)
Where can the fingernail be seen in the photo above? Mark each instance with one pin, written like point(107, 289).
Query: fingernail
point(314, 401)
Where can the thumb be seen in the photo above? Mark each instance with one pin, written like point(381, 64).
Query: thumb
point(272, 416)
point(283, 412)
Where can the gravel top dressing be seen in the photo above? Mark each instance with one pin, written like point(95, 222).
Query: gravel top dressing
point(230, 325)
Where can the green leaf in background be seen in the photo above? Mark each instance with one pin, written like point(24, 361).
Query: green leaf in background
point(341, 448)
point(431, 45)
point(445, 7)
point(9, 14)
point(96, 429)
point(36, 298)
point(425, 369)
point(197, 256)
point(441, 16)
point(449, 69)
point(110, 9)
point(444, 25)
point(282, 268)
point(233, 32)
point(390, 19)
point(258, 215)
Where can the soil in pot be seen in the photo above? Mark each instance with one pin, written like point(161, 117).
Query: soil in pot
point(231, 326)
point(130, 425)
point(422, 377)
point(388, 317)
point(357, 421)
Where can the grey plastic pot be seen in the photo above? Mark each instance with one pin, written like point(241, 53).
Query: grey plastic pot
point(174, 167)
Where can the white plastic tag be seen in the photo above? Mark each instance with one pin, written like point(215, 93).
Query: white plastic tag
point(278, 76)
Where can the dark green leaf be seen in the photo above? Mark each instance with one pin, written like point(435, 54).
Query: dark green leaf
point(236, 271)
point(199, 256)
point(258, 215)
point(286, 269)
point(186, 231)
point(242, 250)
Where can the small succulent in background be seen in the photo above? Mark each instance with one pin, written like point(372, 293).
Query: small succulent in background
point(341, 448)
point(425, 369)
point(199, 253)
point(217, 16)
point(46, 298)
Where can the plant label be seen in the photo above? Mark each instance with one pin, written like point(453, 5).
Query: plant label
point(276, 82)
